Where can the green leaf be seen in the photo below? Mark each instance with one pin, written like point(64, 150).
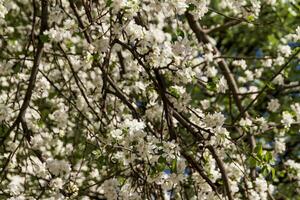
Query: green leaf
point(81, 147)
point(260, 151)
point(268, 157)
point(17, 67)
point(265, 171)
point(44, 38)
point(96, 153)
point(3, 129)
point(251, 18)
point(69, 43)
point(211, 86)
point(174, 92)
point(273, 171)
point(109, 2)
point(270, 86)
point(162, 160)
point(174, 165)
point(180, 33)
point(281, 173)
point(191, 7)
point(252, 162)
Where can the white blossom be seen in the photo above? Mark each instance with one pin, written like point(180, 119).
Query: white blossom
point(202, 8)
point(285, 50)
point(271, 2)
point(273, 105)
point(267, 62)
point(296, 108)
point(56, 184)
point(293, 164)
point(214, 120)
point(245, 122)
point(179, 89)
point(37, 141)
point(16, 185)
point(58, 167)
point(205, 104)
point(280, 146)
point(180, 6)
point(279, 80)
point(242, 63)
point(298, 33)
point(3, 10)
point(134, 125)
point(120, 98)
point(287, 119)
point(211, 71)
point(222, 85)
point(110, 189)
point(3, 112)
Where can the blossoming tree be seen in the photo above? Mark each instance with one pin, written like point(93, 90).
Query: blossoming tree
point(150, 99)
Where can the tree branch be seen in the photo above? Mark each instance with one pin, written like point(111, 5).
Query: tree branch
point(224, 26)
point(266, 85)
point(222, 170)
point(202, 37)
point(35, 68)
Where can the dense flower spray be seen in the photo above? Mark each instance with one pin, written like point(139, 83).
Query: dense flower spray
point(149, 99)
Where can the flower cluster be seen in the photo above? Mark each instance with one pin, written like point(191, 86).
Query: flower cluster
point(150, 99)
